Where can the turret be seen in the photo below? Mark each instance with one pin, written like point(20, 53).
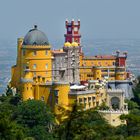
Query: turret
point(72, 31)
point(97, 73)
point(121, 59)
point(27, 87)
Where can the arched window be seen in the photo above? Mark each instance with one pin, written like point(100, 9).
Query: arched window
point(34, 66)
point(34, 53)
point(115, 103)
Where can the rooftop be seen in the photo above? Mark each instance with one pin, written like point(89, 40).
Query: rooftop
point(35, 37)
point(83, 92)
point(100, 57)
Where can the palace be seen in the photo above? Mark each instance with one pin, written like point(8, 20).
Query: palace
point(65, 76)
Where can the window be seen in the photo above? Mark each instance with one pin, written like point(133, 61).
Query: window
point(80, 100)
point(46, 66)
point(46, 53)
point(56, 96)
point(113, 63)
point(89, 99)
point(34, 66)
point(34, 73)
point(27, 67)
point(85, 100)
point(34, 53)
point(23, 53)
point(43, 79)
point(93, 98)
point(69, 29)
point(75, 29)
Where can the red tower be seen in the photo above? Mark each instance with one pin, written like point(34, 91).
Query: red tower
point(121, 59)
point(72, 33)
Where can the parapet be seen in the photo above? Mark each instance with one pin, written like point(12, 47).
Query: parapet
point(115, 91)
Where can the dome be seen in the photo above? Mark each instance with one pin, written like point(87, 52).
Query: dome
point(67, 44)
point(35, 37)
point(74, 44)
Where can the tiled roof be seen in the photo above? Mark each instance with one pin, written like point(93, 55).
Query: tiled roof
point(100, 57)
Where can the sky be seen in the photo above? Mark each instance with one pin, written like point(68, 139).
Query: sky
point(99, 18)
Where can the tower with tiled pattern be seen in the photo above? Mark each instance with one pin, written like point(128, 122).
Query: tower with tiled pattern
point(72, 31)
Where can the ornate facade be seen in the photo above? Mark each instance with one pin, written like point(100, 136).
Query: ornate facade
point(54, 76)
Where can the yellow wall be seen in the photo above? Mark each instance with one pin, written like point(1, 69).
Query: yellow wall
point(27, 91)
point(98, 62)
point(16, 70)
point(120, 76)
point(40, 63)
point(86, 66)
point(113, 117)
point(88, 100)
point(62, 106)
point(33, 57)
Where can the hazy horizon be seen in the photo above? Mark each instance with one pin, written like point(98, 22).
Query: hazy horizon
point(99, 19)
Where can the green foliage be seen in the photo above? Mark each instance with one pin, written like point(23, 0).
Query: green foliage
point(37, 119)
point(29, 120)
point(103, 106)
point(133, 124)
point(131, 104)
point(84, 125)
point(133, 118)
point(33, 112)
point(133, 138)
point(9, 129)
point(33, 120)
point(136, 92)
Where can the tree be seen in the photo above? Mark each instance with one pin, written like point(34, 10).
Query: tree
point(84, 125)
point(36, 117)
point(136, 92)
point(103, 106)
point(131, 104)
point(133, 124)
point(9, 129)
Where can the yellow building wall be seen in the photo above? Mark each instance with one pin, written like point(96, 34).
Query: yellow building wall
point(120, 76)
point(38, 62)
point(42, 92)
point(113, 118)
point(27, 91)
point(86, 100)
point(98, 62)
point(86, 72)
point(46, 93)
point(27, 58)
point(63, 90)
point(16, 70)
point(97, 74)
point(62, 106)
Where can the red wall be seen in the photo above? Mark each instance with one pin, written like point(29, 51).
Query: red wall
point(121, 61)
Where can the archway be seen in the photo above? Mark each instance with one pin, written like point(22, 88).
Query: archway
point(115, 103)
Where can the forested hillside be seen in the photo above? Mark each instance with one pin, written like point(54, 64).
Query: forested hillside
point(33, 120)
